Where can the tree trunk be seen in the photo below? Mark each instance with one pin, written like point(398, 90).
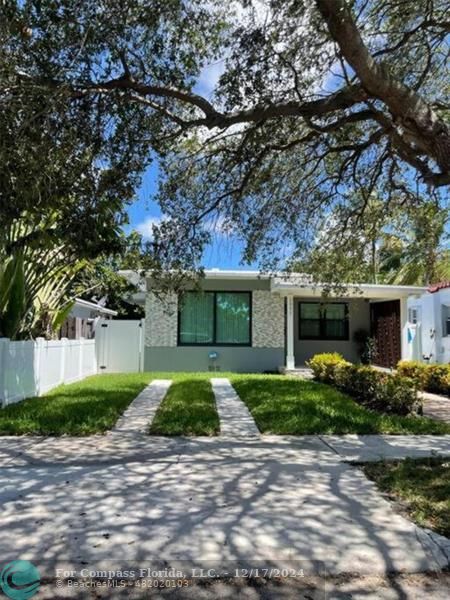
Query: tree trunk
point(416, 121)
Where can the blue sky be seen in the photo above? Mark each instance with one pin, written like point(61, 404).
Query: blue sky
point(224, 252)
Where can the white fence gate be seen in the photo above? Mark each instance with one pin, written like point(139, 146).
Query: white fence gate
point(120, 346)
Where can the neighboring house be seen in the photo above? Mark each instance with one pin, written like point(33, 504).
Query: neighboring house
point(83, 318)
point(91, 310)
point(247, 321)
point(429, 324)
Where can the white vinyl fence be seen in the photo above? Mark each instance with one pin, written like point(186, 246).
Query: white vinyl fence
point(32, 368)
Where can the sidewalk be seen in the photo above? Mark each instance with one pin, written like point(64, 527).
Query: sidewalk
point(247, 501)
point(435, 406)
point(114, 448)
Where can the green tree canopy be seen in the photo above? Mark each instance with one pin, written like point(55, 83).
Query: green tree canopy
point(395, 244)
point(318, 100)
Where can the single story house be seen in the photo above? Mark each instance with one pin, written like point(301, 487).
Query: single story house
point(83, 318)
point(429, 324)
point(247, 321)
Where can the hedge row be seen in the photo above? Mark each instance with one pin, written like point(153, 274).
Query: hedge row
point(431, 378)
point(383, 392)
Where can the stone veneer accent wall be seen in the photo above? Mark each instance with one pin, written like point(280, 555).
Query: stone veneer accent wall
point(268, 320)
point(161, 320)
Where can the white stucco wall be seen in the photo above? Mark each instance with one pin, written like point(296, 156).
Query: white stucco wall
point(432, 342)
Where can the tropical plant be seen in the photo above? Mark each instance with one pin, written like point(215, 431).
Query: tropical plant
point(101, 279)
point(34, 301)
point(415, 251)
point(12, 295)
point(36, 277)
point(395, 244)
point(367, 346)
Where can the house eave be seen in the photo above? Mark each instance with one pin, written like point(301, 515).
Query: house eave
point(354, 290)
point(295, 284)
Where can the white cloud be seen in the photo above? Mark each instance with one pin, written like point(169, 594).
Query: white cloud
point(209, 77)
point(146, 227)
point(257, 12)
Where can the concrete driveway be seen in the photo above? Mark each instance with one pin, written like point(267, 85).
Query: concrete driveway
point(119, 500)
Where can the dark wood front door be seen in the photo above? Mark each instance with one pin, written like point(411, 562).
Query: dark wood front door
point(385, 325)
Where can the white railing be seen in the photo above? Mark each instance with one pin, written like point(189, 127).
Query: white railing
point(32, 368)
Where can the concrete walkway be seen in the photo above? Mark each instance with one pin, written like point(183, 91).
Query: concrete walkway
point(140, 413)
point(130, 501)
point(371, 448)
point(235, 418)
point(435, 406)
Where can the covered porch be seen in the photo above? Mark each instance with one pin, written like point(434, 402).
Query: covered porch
point(314, 325)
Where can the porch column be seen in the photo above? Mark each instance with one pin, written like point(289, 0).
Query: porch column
point(290, 358)
point(405, 350)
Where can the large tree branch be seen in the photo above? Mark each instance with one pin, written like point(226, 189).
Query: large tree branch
point(416, 121)
point(127, 83)
point(340, 100)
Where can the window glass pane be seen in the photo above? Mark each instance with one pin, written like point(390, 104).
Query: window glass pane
point(323, 321)
point(197, 318)
point(446, 315)
point(310, 329)
point(310, 310)
point(233, 318)
point(334, 329)
point(335, 311)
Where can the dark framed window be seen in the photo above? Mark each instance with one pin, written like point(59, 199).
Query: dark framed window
point(446, 318)
point(318, 321)
point(214, 319)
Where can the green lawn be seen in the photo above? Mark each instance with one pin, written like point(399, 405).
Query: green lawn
point(422, 486)
point(291, 406)
point(90, 406)
point(279, 405)
point(189, 407)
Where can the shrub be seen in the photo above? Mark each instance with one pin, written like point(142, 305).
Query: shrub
point(343, 375)
point(432, 378)
point(323, 365)
point(414, 370)
point(364, 384)
point(383, 392)
point(396, 394)
point(438, 380)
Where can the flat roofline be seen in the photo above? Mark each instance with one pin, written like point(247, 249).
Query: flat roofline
point(285, 281)
point(211, 274)
point(234, 274)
